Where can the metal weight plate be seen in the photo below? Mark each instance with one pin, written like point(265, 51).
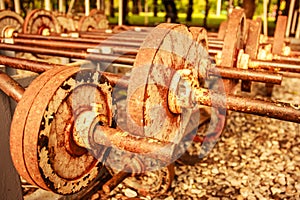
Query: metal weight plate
point(87, 23)
point(222, 30)
point(279, 34)
point(65, 169)
point(152, 183)
point(233, 41)
point(146, 183)
point(200, 36)
point(66, 22)
point(51, 156)
point(99, 16)
point(19, 121)
point(41, 22)
point(10, 22)
point(211, 122)
point(252, 46)
point(161, 54)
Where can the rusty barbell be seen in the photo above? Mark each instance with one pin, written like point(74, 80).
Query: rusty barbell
point(62, 78)
point(51, 112)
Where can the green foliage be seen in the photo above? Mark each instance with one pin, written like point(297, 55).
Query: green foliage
point(199, 6)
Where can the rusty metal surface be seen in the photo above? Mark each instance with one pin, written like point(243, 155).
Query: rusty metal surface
point(123, 31)
point(45, 146)
point(247, 75)
point(252, 45)
point(97, 39)
point(56, 52)
point(39, 20)
point(48, 144)
point(19, 122)
point(118, 36)
point(90, 39)
point(87, 23)
point(100, 18)
point(273, 109)
point(233, 41)
point(279, 35)
point(125, 141)
point(76, 46)
point(25, 64)
point(115, 181)
point(149, 83)
point(222, 30)
point(137, 90)
point(234, 38)
point(10, 20)
point(200, 36)
point(157, 61)
point(66, 22)
point(286, 59)
point(114, 79)
point(274, 66)
point(10, 87)
point(160, 181)
point(233, 73)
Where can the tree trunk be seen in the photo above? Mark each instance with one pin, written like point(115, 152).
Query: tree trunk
point(206, 13)
point(111, 9)
point(189, 11)
point(135, 7)
point(155, 8)
point(125, 12)
point(102, 5)
point(140, 6)
point(249, 6)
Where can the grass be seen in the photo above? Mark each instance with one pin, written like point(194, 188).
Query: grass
point(213, 21)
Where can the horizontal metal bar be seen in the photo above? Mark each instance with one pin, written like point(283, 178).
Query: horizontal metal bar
point(272, 109)
point(11, 87)
point(24, 64)
point(274, 66)
point(247, 74)
point(125, 141)
point(72, 45)
point(62, 53)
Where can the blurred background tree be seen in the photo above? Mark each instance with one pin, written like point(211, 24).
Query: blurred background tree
point(208, 13)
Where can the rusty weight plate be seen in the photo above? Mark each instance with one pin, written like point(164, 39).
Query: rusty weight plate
point(167, 48)
point(279, 33)
point(19, 122)
point(100, 17)
point(9, 19)
point(152, 183)
point(66, 22)
point(252, 46)
point(252, 43)
point(233, 42)
point(47, 133)
point(39, 22)
point(222, 30)
point(87, 23)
